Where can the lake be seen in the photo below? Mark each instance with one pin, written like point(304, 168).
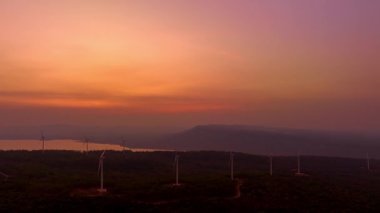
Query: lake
point(70, 145)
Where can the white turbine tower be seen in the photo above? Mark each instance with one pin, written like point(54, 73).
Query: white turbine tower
point(232, 165)
point(100, 172)
point(43, 141)
point(123, 143)
point(299, 173)
point(176, 164)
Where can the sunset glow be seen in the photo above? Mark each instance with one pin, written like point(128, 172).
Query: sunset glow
point(288, 63)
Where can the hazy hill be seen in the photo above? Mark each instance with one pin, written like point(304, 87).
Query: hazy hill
point(248, 139)
point(278, 141)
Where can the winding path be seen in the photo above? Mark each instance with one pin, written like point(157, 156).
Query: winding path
point(239, 183)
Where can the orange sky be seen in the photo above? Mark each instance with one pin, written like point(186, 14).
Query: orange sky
point(285, 63)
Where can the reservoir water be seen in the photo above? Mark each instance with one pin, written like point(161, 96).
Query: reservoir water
point(70, 145)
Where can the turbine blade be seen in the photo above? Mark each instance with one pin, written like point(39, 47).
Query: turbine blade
point(102, 155)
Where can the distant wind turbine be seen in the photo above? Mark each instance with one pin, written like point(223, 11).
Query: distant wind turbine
point(100, 172)
point(299, 173)
point(232, 165)
point(86, 141)
point(176, 164)
point(43, 141)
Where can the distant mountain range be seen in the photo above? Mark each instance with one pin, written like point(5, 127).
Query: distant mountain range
point(275, 141)
point(237, 138)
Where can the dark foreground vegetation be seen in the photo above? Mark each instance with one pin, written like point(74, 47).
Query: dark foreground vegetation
point(64, 181)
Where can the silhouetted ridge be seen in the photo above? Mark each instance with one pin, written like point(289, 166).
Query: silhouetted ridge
point(266, 140)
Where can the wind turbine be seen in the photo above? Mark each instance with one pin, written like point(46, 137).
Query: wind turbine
point(299, 173)
point(100, 172)
point(86, 141)
point(43, 141)
point(176, 162)
point(123, 143)
point(232, 165)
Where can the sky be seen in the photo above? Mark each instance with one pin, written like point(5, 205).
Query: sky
point(178, 63)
